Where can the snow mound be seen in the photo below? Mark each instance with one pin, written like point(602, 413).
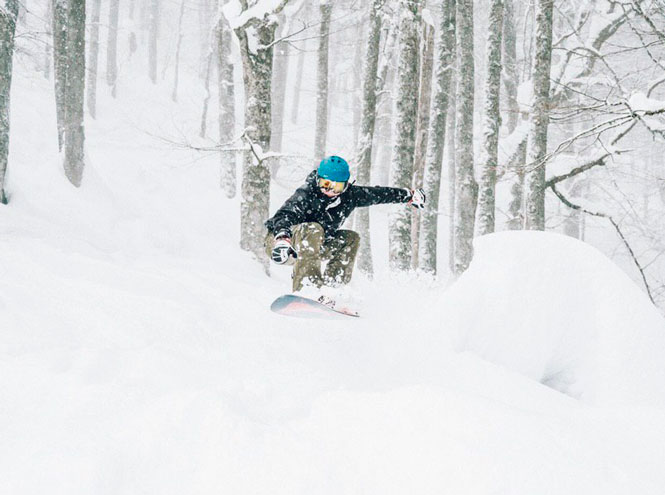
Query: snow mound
point(558, 311)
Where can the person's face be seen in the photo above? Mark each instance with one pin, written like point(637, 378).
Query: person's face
point(331, 188)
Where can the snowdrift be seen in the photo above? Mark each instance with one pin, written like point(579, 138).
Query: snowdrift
point(558, 311)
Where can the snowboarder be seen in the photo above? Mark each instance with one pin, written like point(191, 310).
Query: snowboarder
point(306, 229)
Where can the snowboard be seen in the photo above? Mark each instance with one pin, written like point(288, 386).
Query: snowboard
point(303, 307)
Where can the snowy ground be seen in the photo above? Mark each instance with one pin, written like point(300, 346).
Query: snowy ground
point(138, 355)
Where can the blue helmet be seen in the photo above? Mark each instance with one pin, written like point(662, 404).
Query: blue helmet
point(334, 168)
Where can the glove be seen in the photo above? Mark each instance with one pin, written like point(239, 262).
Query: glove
point(282, 249)
point(417, 198)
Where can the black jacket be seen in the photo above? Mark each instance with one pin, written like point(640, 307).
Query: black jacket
point(309, 204)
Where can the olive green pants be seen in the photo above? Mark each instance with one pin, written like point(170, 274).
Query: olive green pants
point(313, 248)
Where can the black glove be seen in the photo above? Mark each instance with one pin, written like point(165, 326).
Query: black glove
point(282, 249)
point(417, 198)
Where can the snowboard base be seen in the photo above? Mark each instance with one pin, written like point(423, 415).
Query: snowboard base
point(303, 307)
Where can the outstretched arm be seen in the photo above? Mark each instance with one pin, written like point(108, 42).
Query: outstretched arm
point(368, 196)
point(377, 195)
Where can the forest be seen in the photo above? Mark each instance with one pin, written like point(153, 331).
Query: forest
point(513, 115)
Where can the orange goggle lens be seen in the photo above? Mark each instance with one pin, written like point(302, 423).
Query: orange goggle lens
point(331, 185)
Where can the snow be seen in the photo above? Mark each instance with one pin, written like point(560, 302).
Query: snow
point(638, 102)
point(238, 17)
point(138, 354)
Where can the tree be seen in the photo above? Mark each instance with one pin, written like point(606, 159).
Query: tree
point(435, 144)
point(75, 92)
point(152, 39)
point(226, 92)
point(405, 126)
point(466, 189)
point(422, 130)
point(367, 124)
point(321, 131)
point(8, 17)
point(256, 33)
point(112, 46)
point(302, 52)
point(93, 57)
point(491, 120)
point(539, 118)
point(280, 71)
point(59, 11)
point(176, 71)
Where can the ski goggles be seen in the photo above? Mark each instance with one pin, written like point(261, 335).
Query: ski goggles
point(331, 185)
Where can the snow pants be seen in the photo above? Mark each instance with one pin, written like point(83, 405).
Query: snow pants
point(313, 248)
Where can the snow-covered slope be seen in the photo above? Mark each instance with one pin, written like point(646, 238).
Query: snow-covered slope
point(138, 355)
point(558, 311)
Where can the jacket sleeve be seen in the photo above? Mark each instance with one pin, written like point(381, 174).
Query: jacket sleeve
point(292, 212)
point(376, 195)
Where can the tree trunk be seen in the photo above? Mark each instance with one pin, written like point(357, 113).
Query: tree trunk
point(321, 131)
point(75, 93)
point(422, 129)
point(59, 8)
point(509, 65)
point(48, 28)
point(206, 99)
point(491, 121)
point(280, 71)
point(132, 33)
point(152, 40)
point(93, 57)
point(226, 93)
point(112, 48)
point(8, 17)
point(385, 110)
point(511, 83)
point(257, 76)
point(366, 135)
point(450, 162)
point(176, 75)
point(466, 187)
point(297, 88)
point(354, 97)
point(405, 127)
point(539, 118)
point(432, 180)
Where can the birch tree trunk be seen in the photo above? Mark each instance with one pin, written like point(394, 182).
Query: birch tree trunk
point(227, 109)
point(59, 8)
point(152, 39)
point(176, 75)
point(509, 64)
point(366, 137)
point(93, 57)
point(321, 131)
point(112, 46)
point(539, 118)
point(48, 29)
point(405, 126)
point(427, 259)
point(280, 71)
point(511, 83)
point(297, 88)
point(75, 92)
point(422, 129)
point(257, 76)
point(8, 17)
point(466, 187)
point(491, 121)
point(385, 110)
point(450, 162)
